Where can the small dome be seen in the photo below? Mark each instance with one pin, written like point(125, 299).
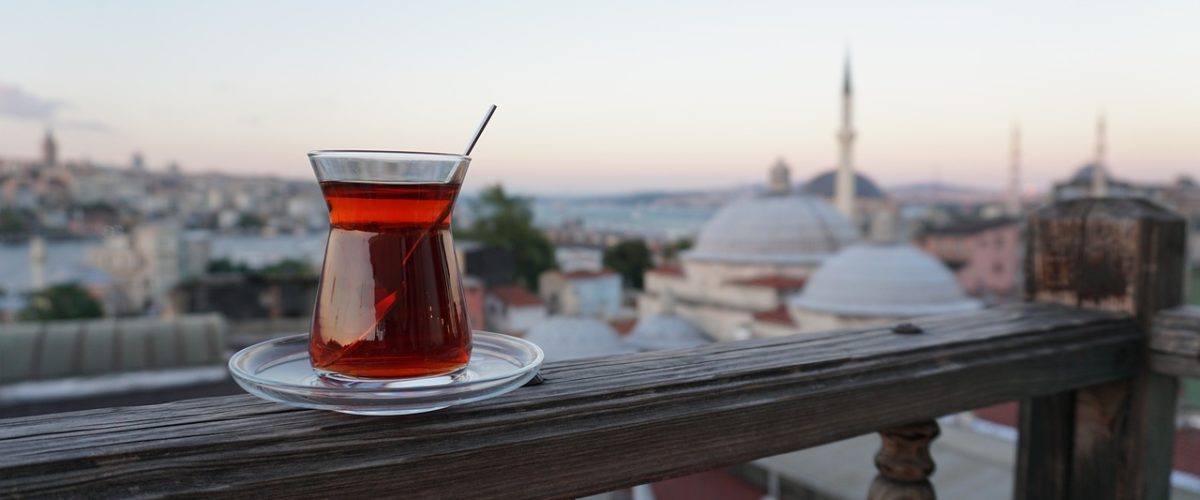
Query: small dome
point(823, 185)
point(570, 337)
point(773, 230)
point(659, 332)
point(889, 281)
point(1085, 173)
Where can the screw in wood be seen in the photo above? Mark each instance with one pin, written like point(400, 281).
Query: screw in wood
point(907, 329)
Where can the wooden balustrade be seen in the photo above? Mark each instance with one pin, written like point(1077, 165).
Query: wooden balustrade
point(1079, 358)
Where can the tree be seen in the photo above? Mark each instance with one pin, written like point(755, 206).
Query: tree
point(65, 301)
point(225, 266)
point(288, 268)
point(249, 222)
point(672, 251)
point(506, 221)
point(16, 221)
point(630, 259)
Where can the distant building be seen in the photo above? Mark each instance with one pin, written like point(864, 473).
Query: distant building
point(984, 254)
point(1095, 179)
point(747, 260)
point(475, 295)
point(568, 337)
point(877, 284)
point(74, 365)
point(595, 294)
point(147, 262)
point(513, 310)
point(1183, 196)
point(239, 297)
point(663, 331)
point(49, 150)
point(493, 265)
point(579, 258)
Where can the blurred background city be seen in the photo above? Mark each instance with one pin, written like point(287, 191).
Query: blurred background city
point(657, 177)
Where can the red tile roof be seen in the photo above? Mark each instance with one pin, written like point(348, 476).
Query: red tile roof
point(515, 295)
point(780, 316)
point(773, 281)
point(671, 270)
point(711, 485)
point(587, 274)
point(1003, 413)
point(623, 326)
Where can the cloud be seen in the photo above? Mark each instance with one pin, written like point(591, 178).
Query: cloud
point(88, 125)
point(17, 103)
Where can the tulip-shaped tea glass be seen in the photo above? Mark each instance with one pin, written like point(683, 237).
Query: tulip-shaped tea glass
point(390, 302)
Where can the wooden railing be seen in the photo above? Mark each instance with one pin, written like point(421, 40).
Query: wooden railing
point(1095, 420)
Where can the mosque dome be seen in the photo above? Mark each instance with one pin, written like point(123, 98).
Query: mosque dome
point(572, 337)
point(886, 281)
point(787, 229)
point(823, 185)
point(663, 331)
point(1085, 173)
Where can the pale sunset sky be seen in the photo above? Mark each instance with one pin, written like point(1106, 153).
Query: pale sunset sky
point(603, 97)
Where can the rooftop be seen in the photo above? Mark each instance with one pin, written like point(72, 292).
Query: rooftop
point(781, 230)
point(784, 283)
point(779, 315)
point(515, 295)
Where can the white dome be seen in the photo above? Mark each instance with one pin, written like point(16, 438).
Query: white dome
point(659, 332)
point(891, 280)
point(774, 230)
point(568, 337)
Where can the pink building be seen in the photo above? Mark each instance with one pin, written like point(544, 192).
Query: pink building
point(985, 255)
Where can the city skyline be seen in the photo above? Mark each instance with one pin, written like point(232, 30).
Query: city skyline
point(695, 97)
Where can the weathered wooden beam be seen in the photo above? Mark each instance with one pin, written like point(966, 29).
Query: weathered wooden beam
point(594, 425)
point(1114, 440)
point(1175, 342)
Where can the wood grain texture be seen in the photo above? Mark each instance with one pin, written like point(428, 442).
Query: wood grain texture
point(1045, 445)
point(1175, 342)
point(594, 425)
point(1121, 255)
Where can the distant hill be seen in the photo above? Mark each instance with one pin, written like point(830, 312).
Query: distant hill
point(940, 192)
point(660, 198)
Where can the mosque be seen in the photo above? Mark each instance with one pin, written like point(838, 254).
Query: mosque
point(785, 262)
point(1094, 178)
point(791, 262)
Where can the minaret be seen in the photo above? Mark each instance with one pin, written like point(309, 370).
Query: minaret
point(37, 262)
point(843, 193)
point(1099, 164)
point(1013, 205)
point(49, 150)
point(779, 181)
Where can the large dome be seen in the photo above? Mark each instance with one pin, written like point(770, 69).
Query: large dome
point(664, 331)
point(823, 185)
point(889, 281)
point(569, 337)
point(773, 230)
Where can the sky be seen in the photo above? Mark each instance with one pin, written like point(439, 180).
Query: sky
point(614, 96)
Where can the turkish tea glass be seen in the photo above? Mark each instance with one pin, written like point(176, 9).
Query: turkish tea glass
point(390, 301)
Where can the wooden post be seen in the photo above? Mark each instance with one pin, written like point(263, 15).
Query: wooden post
point(1112, 441)
point(904, 463)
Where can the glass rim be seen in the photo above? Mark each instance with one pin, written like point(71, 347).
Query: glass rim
point(318, 153)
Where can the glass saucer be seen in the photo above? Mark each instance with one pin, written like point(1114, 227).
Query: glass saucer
point(279, 370)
